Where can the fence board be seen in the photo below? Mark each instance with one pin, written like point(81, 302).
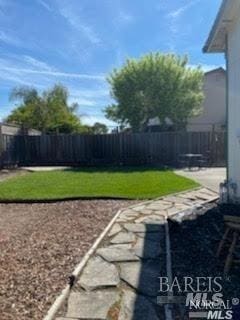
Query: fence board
point(125, 148)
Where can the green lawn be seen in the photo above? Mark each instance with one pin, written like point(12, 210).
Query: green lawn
point(124, 182)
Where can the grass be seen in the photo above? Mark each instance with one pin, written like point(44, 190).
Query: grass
point(123, 182)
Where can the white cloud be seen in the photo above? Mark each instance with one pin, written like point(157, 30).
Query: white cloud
point(125, 18)
point(45, 5)
point(82, 101)
point(89, 33)
point(4, 113)
point(176, 28)
point(180, 11)
point(13, 78)
point(89, 97)
point(88, 90)
point(55, 73)
point(27, 66)
point(37, 63)
point(93, 93)
point(91, 119)
point(8, 39)
point(120, 16)
point(77, 23)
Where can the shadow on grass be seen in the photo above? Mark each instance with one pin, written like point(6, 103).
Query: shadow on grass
point(118, 169)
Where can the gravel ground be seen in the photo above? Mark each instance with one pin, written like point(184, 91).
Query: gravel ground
point(40, 245)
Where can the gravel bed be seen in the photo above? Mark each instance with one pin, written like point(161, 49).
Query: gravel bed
point(40, 245)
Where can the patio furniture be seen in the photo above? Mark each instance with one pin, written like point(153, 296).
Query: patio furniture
point(190, 160)
point(204, 162)
point(230, 239)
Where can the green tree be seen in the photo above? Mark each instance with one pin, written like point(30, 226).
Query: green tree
point(48, 112)
point(156, 85)
point(99, 128)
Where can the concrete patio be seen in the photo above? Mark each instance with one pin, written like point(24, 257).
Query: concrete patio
point(209, 177)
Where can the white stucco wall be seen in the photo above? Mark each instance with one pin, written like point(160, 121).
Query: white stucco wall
point(214, 105)
point(233, 57)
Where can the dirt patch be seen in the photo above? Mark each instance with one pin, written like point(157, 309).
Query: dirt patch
point(40, 244)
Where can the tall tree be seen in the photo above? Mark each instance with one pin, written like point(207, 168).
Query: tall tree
point(156, 85)
point(99, 128)
point(49, 112)
point(96, 128)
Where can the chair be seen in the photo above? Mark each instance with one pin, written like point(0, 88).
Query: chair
point(230, 238)
point(204, 162)
point(182, 162)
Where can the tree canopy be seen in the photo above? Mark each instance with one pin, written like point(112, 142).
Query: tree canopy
point(156, 85)
point(48, 112)
point(96, 128)
point(99, 128)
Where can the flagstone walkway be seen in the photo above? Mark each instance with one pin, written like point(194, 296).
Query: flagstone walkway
point(121, 280)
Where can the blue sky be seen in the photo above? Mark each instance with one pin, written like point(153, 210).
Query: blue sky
point(78, 42)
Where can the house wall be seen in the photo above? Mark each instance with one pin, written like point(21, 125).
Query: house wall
point(213, 115)
point(10, 129)
point(233, 62)
point(13, 130)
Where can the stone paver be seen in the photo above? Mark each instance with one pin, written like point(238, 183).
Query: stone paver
point(64, 318)
point(136, 307)
point(123, 237)
point(156, 236)
point(91, 305)
point(130, 258)
point(146, 211)
point(99, 273)
point(121, 245)
point(178, 200)
point(117, 254)
point(139, 208)
point(142, 276)
point(141, 227)
point(159, 205)
point(152, 219)
point(146, 249)
point(115, 229)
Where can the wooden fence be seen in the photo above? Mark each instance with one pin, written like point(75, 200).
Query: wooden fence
point(123, 148)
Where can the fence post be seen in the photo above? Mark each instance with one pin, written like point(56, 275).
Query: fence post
point(120, 148)
point(213, 147)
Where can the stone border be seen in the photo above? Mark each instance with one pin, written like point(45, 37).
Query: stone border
point(168, 309)
point(65, 292)
point(76, 273)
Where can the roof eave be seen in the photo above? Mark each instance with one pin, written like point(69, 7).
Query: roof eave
point(208, 48)
point(220, 69)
